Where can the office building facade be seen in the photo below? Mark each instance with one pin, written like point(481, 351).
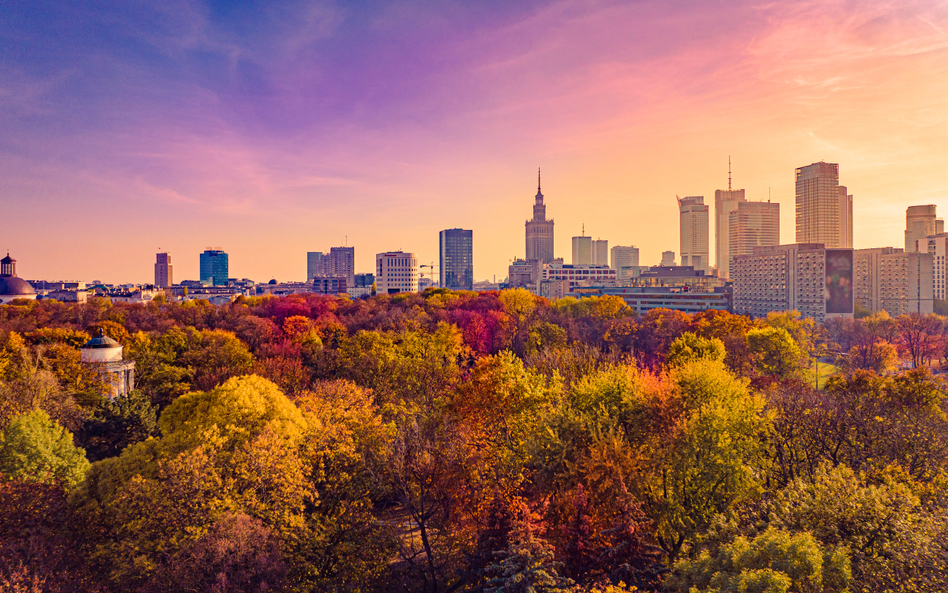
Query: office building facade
point(215, 267)
point(668, 259)
point(580, 275)
point(823, 208)
point(582, 251)
point(750, 225)
point(163, 271)
point(456, 259)
point(693, 232)
point(396, 271)
point(600, 252)
point(725, 202)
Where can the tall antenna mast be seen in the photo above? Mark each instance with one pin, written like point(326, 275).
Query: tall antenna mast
point(728, 172)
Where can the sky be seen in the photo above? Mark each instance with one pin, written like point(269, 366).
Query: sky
point(270, 129)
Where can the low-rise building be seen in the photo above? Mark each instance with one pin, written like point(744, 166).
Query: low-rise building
point(580, 275)
point(643, 299)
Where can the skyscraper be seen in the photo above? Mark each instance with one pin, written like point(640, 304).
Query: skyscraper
point(600, 252)
point(582, 250)
point(750, 225)
point(693, 228)
point(342, 262)
point(456, 259)
point(539, 231)
point(623, 256)
point(214, 267)
point(315, 264)
point(921, 222)
point(163, 277)
point(625, 261)
point(824, 210)
point(668, 258)
point(725, 202)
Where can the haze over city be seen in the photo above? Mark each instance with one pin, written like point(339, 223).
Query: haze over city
point(271, 131)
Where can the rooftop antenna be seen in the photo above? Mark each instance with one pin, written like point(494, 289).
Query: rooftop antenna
point(768, 193)
point(584, 229)
point(728, 172)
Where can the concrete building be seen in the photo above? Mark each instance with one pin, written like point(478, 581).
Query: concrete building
point(11, 286)
point(582, 251)
point(103, 355)
point(937, 246)
point(600, 252)
point(317, 264)
point(693, 232)
point(625, 261)
point(807, 277)
point(823, 208)
point(396, 271)
point(163, 272)
point(678, 276)
point(580, 275)
point(215, 268)
point(866, 269)
point(523, 273)
point(456, 259)
point(643, 299)
point(921, 222)
point(668, 259)
point(342, 262)
point(905, 283)
point(539, 231)
point(750, 225)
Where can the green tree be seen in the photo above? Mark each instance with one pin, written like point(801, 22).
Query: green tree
point(116, 424)
point(35, 448)
point(689, 347)
point(775, 352)
point(775, 561)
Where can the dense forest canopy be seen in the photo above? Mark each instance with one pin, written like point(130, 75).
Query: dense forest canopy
point(459, 441)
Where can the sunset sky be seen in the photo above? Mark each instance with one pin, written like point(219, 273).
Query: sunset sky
point(275, 128)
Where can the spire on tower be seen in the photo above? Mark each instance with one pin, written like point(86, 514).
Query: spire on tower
point(728, 172)
point(538, 179)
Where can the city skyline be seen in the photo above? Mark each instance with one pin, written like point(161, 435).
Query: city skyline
point(259, 128)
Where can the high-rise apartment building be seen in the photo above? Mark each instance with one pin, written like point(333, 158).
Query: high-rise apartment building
point(582, 251)
point(163, 276)
point(921, 222)
point(897, 282)
point(456, 259)
point(600, 252)
point(539, 231)
point(807, 277)
point(750, 225)
point(905, 283)
point(823, 208)
point(937, 246)
point(866, 268)
point(396, 271)
point(725, 202)
point(215, 268)
point(693, 228)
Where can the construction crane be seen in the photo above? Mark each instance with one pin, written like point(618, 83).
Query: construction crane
point(421, 271)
